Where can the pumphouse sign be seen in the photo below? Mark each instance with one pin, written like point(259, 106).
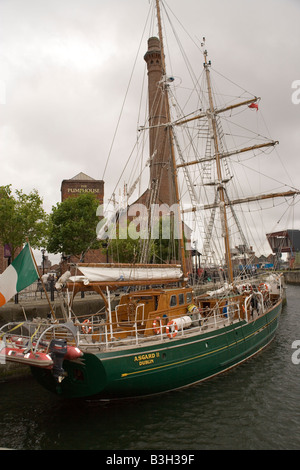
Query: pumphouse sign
point(82, 184)
point(84, 189)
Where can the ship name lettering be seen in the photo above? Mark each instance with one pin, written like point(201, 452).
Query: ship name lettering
point(142, 357)
point(145, 359)
point(146, 363)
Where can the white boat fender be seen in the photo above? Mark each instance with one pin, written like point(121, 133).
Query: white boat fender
point(62, 280)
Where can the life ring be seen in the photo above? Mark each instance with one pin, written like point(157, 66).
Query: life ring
point(263, 287)
point(157, 329)
point(86, 326)
point(247, 288)
point(173, 333)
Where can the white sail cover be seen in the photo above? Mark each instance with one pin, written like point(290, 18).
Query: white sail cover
point(129, 273)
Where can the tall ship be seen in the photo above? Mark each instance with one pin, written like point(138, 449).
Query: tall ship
point(163, 326)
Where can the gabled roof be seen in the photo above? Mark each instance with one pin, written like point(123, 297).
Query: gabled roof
point(82, 177)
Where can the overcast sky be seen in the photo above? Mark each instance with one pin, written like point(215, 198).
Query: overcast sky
point(65, 66)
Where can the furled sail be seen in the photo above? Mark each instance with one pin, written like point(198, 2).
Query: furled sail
point(127, 272)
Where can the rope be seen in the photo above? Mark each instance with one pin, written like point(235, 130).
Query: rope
point(14, 328)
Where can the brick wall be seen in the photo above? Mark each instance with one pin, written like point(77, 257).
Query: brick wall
point(3, 261)
point(74, 188)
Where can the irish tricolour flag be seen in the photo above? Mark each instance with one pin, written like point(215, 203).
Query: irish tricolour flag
point(20, 273)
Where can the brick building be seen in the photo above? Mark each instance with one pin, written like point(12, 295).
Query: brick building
point(74, 187)
point(82, 184)
point(4, 258)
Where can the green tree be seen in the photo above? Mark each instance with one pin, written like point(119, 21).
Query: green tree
point(122, 248)
point(72, 227)
point(162, 249)
point(22, 216)
point(165, 248)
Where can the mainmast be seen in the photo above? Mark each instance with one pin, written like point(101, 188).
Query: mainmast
point(211, 114)
point(169, 129)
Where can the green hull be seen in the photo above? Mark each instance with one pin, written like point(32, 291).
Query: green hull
point(163, 366)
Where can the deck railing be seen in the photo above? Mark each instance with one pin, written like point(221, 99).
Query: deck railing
point(96, 332)
point(112, 334)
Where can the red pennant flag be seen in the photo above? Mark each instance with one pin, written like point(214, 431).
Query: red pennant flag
point(253, 106)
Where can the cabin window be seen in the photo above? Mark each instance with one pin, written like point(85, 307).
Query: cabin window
point(188, 297)
point(173, 301)
point(181, 299)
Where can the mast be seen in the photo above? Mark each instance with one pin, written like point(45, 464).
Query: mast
point(212, 117)
point(169, 129)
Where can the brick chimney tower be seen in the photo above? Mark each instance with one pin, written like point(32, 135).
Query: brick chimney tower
point(161, 162)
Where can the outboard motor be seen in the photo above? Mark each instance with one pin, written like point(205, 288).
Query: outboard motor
point(58, 350)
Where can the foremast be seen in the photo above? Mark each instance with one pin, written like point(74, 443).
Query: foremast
point(212, 119)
